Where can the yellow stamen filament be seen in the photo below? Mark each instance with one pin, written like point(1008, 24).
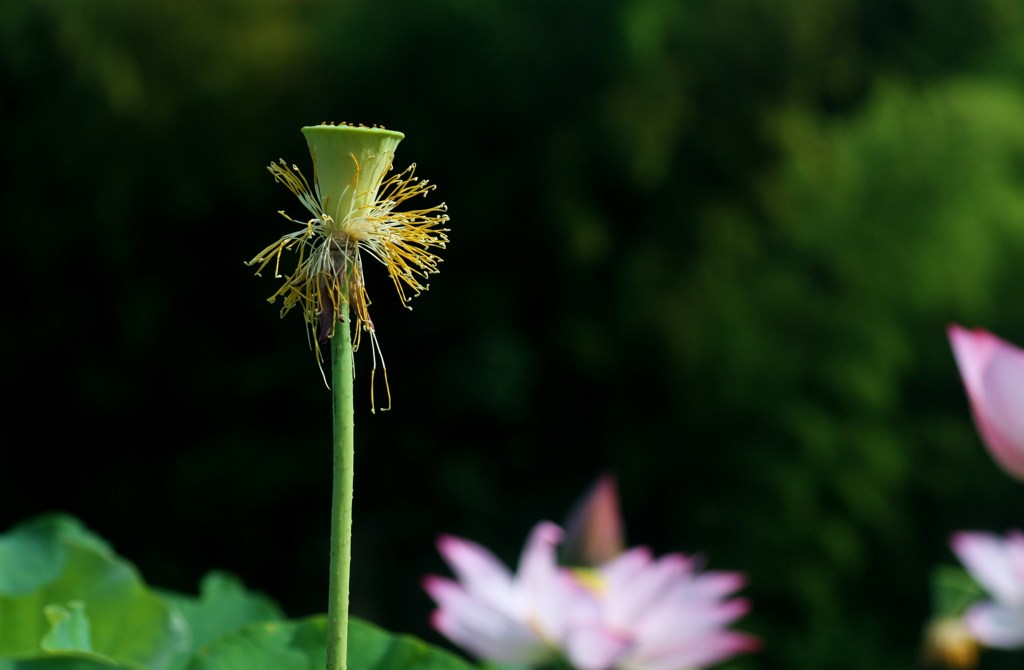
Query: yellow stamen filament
point(329, 270)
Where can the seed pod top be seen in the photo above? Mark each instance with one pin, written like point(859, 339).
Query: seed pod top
point(349, 165)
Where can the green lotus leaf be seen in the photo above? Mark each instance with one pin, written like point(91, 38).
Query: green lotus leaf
point(69, 628)
point(67, 599)
point(31, 555)
point(223, 605)
point(300, 645)
point(59, 663)
point(954, 590)
point(374, 648)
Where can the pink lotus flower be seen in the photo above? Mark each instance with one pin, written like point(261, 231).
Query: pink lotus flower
point(632, 613)
point(998, 565)
point(647, 614)
point(993, 374)
point(499, 616)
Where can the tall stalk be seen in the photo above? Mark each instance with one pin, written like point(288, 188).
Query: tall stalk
point(341, 501)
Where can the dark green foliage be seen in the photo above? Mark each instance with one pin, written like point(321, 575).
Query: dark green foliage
point(709, 245)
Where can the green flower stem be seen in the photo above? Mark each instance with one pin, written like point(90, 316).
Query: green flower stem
point(341, 506)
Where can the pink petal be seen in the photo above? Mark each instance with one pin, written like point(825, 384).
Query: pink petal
point(992, 371)
point(595, 647)
point(544, 585)
point(625, 567)
point(479, 627)
point(972, 350)
point(480, 572)
point(627, 601)
point(716, 584)
point(675, 621)
point(671, 627)
point(513, 646)
point(997, 626)
point(595, 532)
point(1004, 390)
point(693, 653)
point(538, 560)
point(998, 565)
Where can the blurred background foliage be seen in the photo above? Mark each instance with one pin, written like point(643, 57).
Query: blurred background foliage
point(710, 246)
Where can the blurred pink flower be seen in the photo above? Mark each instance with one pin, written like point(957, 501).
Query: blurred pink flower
point(631, 613)
point(497, 615)
point(998, 565)
point(993, 375)
point(647, 614)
